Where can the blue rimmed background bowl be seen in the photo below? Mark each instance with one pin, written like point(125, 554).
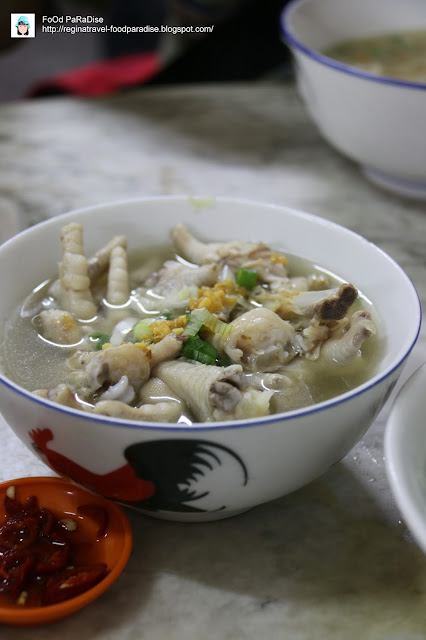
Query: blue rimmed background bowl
point(210, 470)
point(405, 453)
point(378, 122)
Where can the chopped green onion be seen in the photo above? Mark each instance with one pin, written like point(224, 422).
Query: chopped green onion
point(193, 326)
point(142, 331)
point(196, 349)
point(100, 339)
point(246, 277)
point(223, 360)
point(184, 293)
point(211, 321)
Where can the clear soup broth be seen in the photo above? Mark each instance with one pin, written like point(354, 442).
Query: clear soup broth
point(399, 55)
point(36, 362)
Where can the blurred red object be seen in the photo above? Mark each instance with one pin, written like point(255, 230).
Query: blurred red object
point(101, 78)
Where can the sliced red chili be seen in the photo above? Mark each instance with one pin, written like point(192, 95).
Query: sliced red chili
point(52, 556)
point(35, 549)
point(15, 567)
point(15, 509)
point(19, 533)
point(72, 582)
point(48, 522)
point(31, 506)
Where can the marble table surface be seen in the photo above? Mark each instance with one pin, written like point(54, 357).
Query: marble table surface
point(332, 561)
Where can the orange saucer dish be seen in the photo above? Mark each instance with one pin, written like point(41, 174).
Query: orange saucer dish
point(63, 539)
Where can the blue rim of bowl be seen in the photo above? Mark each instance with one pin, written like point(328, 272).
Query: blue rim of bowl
point(399, 474)
point(234, 424)
point(397, 184)
point(292, 41)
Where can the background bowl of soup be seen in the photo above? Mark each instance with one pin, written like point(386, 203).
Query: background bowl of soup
point(361, 71)
point(206, 470)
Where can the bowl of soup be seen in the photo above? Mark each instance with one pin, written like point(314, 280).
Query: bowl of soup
point(361, 71)
point(194, 357)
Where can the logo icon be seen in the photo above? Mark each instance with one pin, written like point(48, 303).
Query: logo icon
point(22, 25)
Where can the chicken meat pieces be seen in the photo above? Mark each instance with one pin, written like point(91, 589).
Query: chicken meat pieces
point(174, 285)
point(213, 393)
point(118, 373)
point(250, 255)
point(259, 340)
point(157, 403)
point(158, 412)
point(75, 293)
point(59, 327)
point(325, 306)
point(104, 369)
point(175, 276)
point(118, 289)
point(344, 349)
point(61, 394)
point(99, 262)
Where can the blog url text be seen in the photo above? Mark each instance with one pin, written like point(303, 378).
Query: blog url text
point(60, 26)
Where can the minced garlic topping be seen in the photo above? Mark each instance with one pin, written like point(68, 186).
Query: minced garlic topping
point(218, 297)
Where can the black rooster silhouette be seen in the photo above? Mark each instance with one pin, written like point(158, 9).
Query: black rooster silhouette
point(188, 475)
point(160, 475)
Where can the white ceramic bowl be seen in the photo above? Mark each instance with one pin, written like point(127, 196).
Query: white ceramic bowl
point(378, 122)
point(405, 453)
point(210, 470)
